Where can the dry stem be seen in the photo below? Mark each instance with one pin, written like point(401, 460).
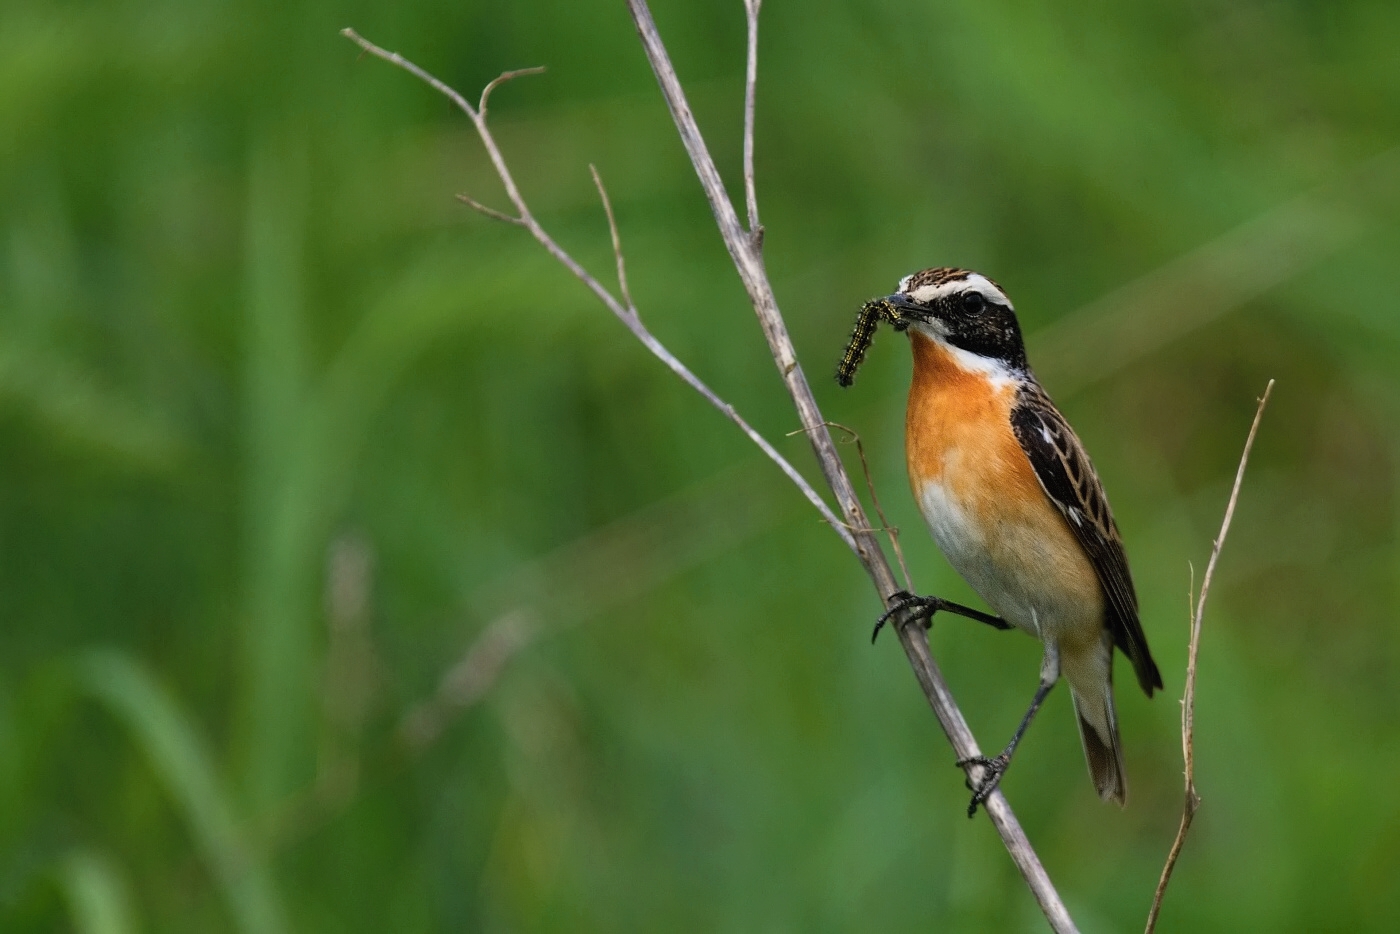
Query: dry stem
point(616, 241)
point(750, 91)
point(624, 313)
point(853, 437)
point(1188, 699)
point(745, 249)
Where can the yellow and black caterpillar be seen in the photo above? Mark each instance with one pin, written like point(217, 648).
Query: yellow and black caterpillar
point(871, 314)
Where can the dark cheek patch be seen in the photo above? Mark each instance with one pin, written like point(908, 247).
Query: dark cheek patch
point(993, 334)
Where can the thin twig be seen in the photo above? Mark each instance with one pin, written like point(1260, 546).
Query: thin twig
point(616, 240)
point(499, 80)
point(750, 92)
point(1188, 699)
point(492, 213)
point(748, 261)
point(853, 526)
point(853, 437)
point(629, 318)
point(890, 530)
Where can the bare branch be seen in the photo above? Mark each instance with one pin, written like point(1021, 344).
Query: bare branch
point(750, 267)
point(628, 318)
point(748, 262)
point(853, 527)
point(499, 80)
point(890, 530)
point(1188, 699)
point(394, 58)
point(853, 437)
point(616, 241)
point(750, 89)
point(479, 121)
point(492, 213)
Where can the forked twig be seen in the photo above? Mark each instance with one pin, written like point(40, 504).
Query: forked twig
point(744, 250)
point(499, 80)
point(852, 526)
point(624, 313)
point(1188, 699)
point(492, 213)
point(853, 437)
point(616, 240)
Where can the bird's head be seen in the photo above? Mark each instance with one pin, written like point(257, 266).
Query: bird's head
point(962, 309)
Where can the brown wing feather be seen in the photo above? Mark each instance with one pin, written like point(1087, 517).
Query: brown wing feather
point(1068, 478)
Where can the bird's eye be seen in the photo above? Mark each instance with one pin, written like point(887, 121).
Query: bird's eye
point(974, 303)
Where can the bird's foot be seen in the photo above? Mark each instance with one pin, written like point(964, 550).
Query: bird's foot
point(902, 600)
point(925, 607)
point(993, 768)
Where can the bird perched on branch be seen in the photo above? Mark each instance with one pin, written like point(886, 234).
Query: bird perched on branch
point(1014, 504)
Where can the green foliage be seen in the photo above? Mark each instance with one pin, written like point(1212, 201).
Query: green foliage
point(98, 897)
point(181, 764)
point(359, 573)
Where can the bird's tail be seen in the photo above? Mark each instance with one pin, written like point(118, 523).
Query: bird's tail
point(1091, 687)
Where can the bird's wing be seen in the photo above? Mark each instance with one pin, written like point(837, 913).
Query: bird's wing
point(1068, 478)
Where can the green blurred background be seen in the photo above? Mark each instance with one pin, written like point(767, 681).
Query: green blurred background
point(359, 572)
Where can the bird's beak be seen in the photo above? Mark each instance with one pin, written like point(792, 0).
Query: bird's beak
point(906, 310)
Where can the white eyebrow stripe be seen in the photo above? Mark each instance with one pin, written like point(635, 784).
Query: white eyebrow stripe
point(974, 282)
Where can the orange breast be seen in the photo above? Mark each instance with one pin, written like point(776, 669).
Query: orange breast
point(984, 505)
point(958, 433)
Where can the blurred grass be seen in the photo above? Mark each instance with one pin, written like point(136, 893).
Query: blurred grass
point(243, 323)
point(100, 902)
point(179, 760)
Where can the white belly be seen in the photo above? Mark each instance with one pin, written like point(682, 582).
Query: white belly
point(1015, 566)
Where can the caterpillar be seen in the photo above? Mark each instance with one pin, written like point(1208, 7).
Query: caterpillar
point(869, 318)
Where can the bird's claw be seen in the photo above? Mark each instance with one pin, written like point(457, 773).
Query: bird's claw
point(993, 768)
point(903, 600)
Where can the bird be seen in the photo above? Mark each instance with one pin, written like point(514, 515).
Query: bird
point(1015, 505)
